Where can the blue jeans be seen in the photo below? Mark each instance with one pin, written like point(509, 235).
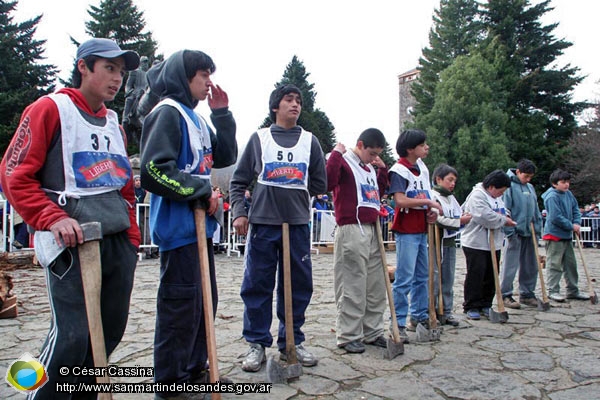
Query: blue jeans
point(411, 277)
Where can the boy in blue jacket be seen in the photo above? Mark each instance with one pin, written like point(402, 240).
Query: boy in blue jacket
point(178, 151)
point(562, 220)
point(519, 254)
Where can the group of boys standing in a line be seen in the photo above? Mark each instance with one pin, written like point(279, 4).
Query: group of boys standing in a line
point(73, 132)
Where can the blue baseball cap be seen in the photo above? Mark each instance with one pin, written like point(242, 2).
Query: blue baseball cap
point(107, 48)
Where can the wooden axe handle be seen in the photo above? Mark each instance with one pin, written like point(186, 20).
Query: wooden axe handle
point(211, 341)
point(91, 279)
point(290, 345)
point(499, 299)
point(537, 258)
point(388, 286)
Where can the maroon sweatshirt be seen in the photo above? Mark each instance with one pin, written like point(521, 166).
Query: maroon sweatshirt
point(340, 181)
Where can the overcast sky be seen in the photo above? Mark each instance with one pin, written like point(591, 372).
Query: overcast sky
point(353, 50)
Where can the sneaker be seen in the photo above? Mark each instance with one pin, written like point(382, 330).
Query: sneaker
point(578, 296)
point(305, 358)
point(485, 311)
point(556, 297)
point(473, 314)
point(509, 302)
point(451, 320)
point(379, 342)
point(355, 347)
point(403, 335)
point(254, 358)
point(412, 325)
point(204, 378)
point(529, 301)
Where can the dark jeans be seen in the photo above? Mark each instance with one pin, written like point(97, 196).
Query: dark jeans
point(264, 258)
point(180, 351)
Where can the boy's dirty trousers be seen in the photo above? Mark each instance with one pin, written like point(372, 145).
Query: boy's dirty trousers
point(519, 254)
point(359, 284)
point(560, 257)
point(264, 257)
point(68, 342)
point(479, 287)
point(180, 351)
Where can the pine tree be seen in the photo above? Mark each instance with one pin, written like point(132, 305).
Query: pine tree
point(311, 119)
point(457, 28)
point(542, 113)
point(22, 78)
point(467, 123)
point(583, 161)
point(121, 21)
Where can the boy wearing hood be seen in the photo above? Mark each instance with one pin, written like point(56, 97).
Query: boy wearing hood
point(289, 167)
point(564, 219)
point(178, 151)
point(66, 165)
point(520, 201)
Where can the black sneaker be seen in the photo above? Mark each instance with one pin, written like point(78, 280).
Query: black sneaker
point(355, 347)
point(379, 342)
point(451, 320)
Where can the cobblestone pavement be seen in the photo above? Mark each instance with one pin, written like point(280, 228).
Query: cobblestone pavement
point(536, 355)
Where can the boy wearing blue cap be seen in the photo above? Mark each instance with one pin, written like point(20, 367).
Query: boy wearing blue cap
point(72, 131)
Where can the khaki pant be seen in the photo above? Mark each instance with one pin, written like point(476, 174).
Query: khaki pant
point(359, 284)
point(560, 258)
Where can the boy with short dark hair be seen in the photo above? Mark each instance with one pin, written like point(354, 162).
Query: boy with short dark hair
point(358, 275)
point(410, 186)
point(520, 201)
point(289, 166)
point(563, 219)
point(50, 175)
point(178, 151)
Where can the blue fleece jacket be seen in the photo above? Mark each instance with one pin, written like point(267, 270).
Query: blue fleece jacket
point(563, 212)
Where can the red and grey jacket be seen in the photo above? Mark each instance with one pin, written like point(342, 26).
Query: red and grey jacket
point(34, 160)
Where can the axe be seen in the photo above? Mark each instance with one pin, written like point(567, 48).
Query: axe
point(91, 279)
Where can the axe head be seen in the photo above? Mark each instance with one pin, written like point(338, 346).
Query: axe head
point(91, 231)
point(277, 373)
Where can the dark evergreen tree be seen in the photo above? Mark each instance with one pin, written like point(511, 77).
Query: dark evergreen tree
point(583, 161)
point(387, 156)
point(466, 126)
point(22, 78)
point(311, 119)
point(122, 21)
point(456, 29)
point(539, 103)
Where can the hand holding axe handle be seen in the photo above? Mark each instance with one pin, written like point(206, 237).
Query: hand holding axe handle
point(91, 279)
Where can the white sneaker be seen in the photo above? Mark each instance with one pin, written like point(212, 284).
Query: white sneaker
point(556, 297)
point(254, 358)
point(305, 358)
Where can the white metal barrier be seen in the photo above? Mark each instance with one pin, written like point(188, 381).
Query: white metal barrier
point(322, 231)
